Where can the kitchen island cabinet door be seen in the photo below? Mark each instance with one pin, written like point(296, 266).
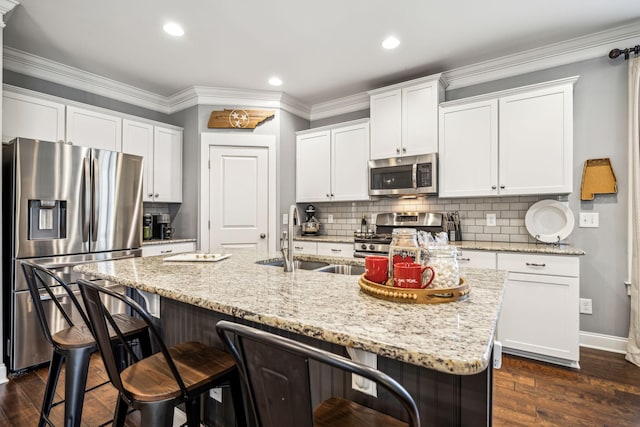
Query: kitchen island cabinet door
point(137, 138)
point(93, 129)
point(349, 163)
point(30, 117)
point(167, 165)
point(313, 167)
point(468, 149)
point(536, 141)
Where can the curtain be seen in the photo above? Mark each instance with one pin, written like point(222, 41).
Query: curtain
point(633, 345)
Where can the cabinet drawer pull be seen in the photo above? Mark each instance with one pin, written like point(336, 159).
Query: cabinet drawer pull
point(336, 250)
point(298, 247)
point(533, 264)
point(168, 251)
point(464, 259)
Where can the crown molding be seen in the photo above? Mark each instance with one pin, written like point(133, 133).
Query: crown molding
point(570, 51)
point(42, 68)
point(201, 95)
point(7, 5)
point(347, 104)
point(567, 52)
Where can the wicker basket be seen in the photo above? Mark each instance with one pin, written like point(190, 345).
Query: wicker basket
point(415, 296)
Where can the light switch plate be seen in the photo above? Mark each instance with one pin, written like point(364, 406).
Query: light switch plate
point(589, 220)
point(330, 219)
point(285, 219)
point(491, 220)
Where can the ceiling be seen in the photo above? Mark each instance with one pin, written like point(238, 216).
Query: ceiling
point(322, 50)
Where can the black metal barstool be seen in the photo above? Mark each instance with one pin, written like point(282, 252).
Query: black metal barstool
point(156, 384)
point(275, 371)
point(72, 343)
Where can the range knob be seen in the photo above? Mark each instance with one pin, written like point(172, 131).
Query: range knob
point(363, 246)
point(372, 247)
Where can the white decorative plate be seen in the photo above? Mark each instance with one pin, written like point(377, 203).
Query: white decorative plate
point(197, 257)
point(549, 221)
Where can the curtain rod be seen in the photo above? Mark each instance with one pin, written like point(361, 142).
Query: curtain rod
point(614, 53)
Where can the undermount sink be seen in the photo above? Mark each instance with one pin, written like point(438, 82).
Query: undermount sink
point(352, 270)
point(301, 265)
point(322, 267)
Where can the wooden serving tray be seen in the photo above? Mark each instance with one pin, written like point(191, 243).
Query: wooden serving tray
point(415, 296)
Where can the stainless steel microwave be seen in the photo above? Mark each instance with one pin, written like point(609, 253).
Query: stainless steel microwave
point(400, 176)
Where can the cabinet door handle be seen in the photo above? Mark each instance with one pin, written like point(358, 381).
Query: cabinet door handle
point(493, 187)
point(262, 235)
point(502, 186)
point(404, 150)
point(336, 250)
point(150, 194)
point(464, 259)
point(397, 151)
point(168, 251)
point(533, 264)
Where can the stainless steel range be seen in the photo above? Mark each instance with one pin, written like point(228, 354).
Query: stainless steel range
point(378, 243)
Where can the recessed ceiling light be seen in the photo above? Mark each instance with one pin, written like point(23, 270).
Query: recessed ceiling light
point(275, 81)
point(173, 29)
point(390, 43)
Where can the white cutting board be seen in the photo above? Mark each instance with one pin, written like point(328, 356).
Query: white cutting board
point(197, 257)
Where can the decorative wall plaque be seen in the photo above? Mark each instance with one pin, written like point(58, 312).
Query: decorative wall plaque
point(238, 119)
point(597, 178)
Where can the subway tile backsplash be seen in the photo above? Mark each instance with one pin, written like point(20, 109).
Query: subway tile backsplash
point(510, 213)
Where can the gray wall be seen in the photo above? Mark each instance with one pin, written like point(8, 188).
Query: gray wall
point(355, 115)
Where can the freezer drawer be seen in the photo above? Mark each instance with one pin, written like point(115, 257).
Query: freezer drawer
point(29, 346)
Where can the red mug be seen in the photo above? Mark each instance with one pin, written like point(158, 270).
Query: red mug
point(410, 275)
point(376, 268)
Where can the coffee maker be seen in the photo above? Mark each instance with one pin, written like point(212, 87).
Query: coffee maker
point(162, 227)
point(311, 224)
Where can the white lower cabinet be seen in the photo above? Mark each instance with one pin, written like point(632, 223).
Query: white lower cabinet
point(540, 310)
point(168, 248)
point(344, 250)
point(476, 259)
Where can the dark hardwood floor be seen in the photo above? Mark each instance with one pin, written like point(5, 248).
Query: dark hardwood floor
point(604, 392)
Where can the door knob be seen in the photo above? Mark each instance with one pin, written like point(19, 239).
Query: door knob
point(262, 235)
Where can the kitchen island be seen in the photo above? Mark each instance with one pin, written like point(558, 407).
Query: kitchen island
point(441, 353)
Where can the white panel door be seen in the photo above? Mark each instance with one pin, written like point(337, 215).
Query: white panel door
point(468, 150)
point(93, 129)
point(29, 117)
point(239, 196)
point(313, 167)
point(536, 141)
point(420, 119)
point(137, 138)
point(386, 124)
point(167, 165)
point(349, 161)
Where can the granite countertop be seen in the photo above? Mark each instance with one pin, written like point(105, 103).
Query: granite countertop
point(167, 241)
point(454, 337)
point(539, 248)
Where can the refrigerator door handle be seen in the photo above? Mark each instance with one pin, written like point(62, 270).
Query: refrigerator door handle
point(86, 199)
point(94, 200)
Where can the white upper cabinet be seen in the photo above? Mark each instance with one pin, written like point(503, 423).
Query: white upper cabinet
point(137, 138)
point(93, 129)
point(404, 118)
point(515, 142)
point(332, 163)
point(30, 117)
point(167, 169)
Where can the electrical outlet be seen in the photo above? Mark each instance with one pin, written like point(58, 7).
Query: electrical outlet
point(216, 394)
point(589, 220)
point(359, 383)
point(585, 306)
point(285, 219)
point(491, 220)
point(330, 219)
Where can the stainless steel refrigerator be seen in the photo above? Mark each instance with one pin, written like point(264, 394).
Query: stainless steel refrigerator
point(62, 205)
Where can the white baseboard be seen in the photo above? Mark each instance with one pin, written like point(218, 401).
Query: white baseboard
point(603, 342)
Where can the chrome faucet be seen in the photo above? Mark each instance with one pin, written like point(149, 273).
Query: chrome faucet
point(286, 241)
